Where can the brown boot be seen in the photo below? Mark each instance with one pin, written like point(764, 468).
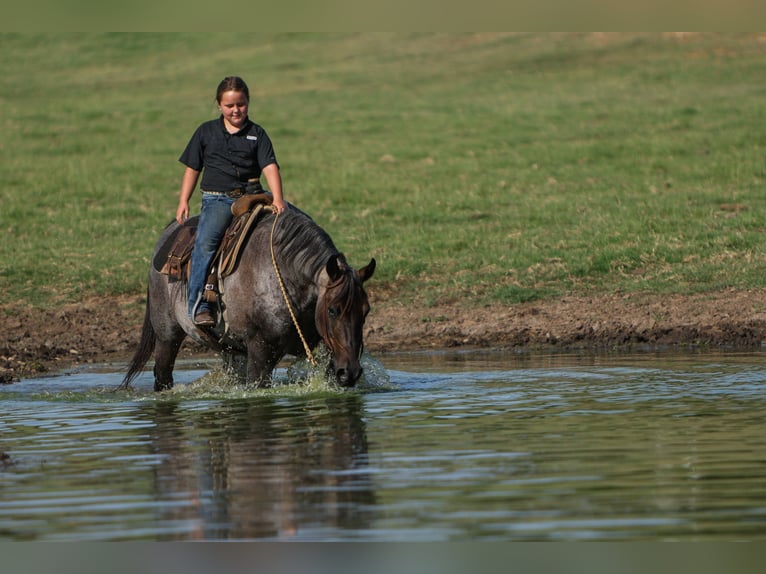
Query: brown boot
point(204, 319)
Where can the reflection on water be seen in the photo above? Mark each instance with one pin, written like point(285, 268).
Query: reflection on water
point(168, 470)
point(468, 446)
point(246, 471)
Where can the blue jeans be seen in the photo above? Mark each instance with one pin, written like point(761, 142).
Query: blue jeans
point(214, 218)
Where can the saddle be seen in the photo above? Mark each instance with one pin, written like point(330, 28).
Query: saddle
point(247, 210)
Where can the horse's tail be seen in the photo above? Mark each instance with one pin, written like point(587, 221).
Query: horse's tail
point(144, 351)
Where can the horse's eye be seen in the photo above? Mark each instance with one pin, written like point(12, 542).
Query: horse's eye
point(333, 312)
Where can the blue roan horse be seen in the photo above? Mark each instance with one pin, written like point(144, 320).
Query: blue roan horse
point(326, 295)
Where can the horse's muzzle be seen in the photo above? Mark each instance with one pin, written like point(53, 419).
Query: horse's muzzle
point(348, 376)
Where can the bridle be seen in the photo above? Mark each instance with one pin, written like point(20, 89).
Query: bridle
point(323, 322)
point(323, 311)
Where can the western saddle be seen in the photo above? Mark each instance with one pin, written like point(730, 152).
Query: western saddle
point(247, 210)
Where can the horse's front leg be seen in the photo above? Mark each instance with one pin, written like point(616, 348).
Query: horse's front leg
point(261, 360)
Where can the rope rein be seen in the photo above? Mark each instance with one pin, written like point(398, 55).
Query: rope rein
point(310, 356)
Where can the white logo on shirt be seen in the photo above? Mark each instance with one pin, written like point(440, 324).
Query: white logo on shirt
point(252, 138)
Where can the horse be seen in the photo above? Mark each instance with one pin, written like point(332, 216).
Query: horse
point(327, 302)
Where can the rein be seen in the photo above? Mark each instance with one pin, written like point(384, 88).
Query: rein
point(310, 356)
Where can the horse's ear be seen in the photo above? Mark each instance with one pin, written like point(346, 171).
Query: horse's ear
point(335, 266)
point(366, 272)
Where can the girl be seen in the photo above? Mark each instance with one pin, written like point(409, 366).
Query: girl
point(231, 152)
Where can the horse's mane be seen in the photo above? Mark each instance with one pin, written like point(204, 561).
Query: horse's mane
point(300, 239)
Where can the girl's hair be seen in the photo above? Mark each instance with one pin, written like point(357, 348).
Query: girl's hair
point(232, 84)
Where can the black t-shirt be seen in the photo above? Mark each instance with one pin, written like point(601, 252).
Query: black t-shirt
point(229, 160)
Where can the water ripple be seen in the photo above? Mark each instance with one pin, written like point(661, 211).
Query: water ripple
point(446, 447)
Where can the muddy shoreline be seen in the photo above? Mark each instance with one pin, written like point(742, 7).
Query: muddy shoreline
point(98, 330)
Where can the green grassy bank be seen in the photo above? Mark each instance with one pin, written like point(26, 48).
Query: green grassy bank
point(478, 167)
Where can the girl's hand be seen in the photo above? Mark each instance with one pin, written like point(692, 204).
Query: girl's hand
point(188, 184)
point(279, 205)
point(182, 213)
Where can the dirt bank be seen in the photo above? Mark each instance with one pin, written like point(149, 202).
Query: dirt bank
point(106, 330)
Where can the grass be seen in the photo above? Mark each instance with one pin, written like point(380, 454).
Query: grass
point(481, 168)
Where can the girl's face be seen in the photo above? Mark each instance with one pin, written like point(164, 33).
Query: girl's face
point(233, 106)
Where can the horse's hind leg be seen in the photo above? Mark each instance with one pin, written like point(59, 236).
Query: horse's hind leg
point(165, 355)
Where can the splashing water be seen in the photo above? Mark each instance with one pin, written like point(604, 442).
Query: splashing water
point(374, 378)
point(301, 378)
point(222, 382)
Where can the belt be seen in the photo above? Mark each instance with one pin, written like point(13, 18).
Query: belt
point(253, 186)
point(234, 193)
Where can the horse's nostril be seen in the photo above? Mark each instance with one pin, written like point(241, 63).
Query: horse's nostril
point(347, 377)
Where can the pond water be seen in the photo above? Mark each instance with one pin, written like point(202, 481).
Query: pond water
point(434, 447)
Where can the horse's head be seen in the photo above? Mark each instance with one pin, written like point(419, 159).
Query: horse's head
point(342, 307)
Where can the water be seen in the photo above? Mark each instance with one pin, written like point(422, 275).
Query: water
point(434, 447)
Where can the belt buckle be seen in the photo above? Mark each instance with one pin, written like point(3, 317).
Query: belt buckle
point(235, 193)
